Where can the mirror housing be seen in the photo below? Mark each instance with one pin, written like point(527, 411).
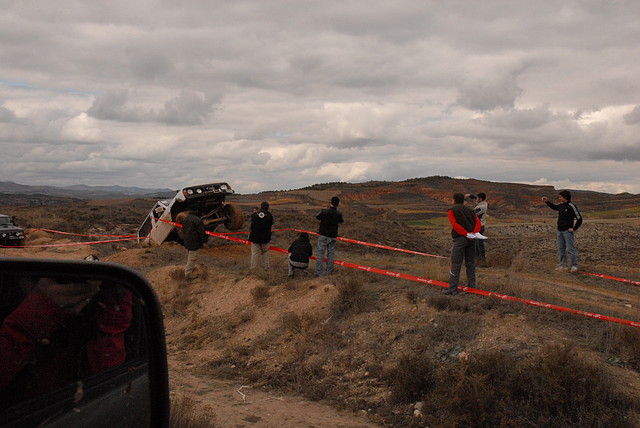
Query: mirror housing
point(133, 392)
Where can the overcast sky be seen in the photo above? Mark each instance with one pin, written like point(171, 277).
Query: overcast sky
point(275, 94)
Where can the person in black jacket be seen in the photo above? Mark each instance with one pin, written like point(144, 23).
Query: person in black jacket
point(567, 213)
point(329, 218)
point(194, 237)
point(299, 253)
point(260, 236)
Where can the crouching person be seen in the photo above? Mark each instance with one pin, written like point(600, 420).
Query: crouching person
point(299, 253)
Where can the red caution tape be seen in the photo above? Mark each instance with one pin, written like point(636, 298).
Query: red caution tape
point(614, 278)
point(69, 244)
point(369, 244)
point(81, 234)
point(444, 284)
point(354, 241)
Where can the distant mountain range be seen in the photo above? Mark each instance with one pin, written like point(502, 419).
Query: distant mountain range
point(414, 198)
point(13, 193)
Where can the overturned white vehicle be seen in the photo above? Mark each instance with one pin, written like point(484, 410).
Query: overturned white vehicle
point(211, 208)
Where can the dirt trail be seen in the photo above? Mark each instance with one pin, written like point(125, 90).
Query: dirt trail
point(234, 405)
point(238, 405)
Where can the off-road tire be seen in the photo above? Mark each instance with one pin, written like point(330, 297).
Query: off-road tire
point(234, 217)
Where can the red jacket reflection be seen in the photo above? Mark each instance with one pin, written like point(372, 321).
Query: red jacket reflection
point(42, 348)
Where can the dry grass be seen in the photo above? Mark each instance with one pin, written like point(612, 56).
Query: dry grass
point(412, 378)
point(622, 344)
point(186, 413)
point(260, 293)
point(556, 387)
point(276, 274)
point(353, 295)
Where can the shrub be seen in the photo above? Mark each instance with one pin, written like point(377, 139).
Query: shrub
point(623, 343)
point(555, 387)
point(185, 414)
point(353, 297)
point(411, 379)
point(260, 293)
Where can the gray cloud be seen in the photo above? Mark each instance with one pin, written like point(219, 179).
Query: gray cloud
point(188, 108)
point(6, 115)
point(629, 153)
point(633, 117)
point(266, 95)
point(488, 93)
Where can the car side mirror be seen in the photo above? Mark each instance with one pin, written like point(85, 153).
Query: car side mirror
point(81, 344)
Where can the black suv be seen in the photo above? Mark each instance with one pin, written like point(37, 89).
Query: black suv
point(10, 234)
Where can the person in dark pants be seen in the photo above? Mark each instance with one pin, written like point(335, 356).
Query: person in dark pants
point(260, 236)
point(464, 223)
point(299, 252)
point(194, 237)
point(567, 213)
point(329, 218)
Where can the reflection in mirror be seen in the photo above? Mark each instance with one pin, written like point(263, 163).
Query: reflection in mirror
point(59, 331)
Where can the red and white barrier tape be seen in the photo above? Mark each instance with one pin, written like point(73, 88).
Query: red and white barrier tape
point(68, 244)
point(82, 234)
point(614, 278)
point(387, 272)
point(369, 244)
point(444, 284)
point(354, 241)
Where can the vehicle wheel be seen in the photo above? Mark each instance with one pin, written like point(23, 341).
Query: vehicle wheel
point(234, 217)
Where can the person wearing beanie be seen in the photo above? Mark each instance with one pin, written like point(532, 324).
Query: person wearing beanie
point(260, 236)
point(299, 252)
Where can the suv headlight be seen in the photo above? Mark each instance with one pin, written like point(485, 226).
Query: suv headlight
point(189, 191)
point(198, 191)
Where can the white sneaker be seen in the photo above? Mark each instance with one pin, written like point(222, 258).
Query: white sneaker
point(574, 269)
point(562, 268)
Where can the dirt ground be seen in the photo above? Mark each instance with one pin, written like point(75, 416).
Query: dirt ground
point(220, 330)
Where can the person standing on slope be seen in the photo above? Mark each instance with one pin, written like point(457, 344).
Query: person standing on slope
point(329, 218)
point(194, 237)
point(567, 213)
point(260, 236)
point(464, 222)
